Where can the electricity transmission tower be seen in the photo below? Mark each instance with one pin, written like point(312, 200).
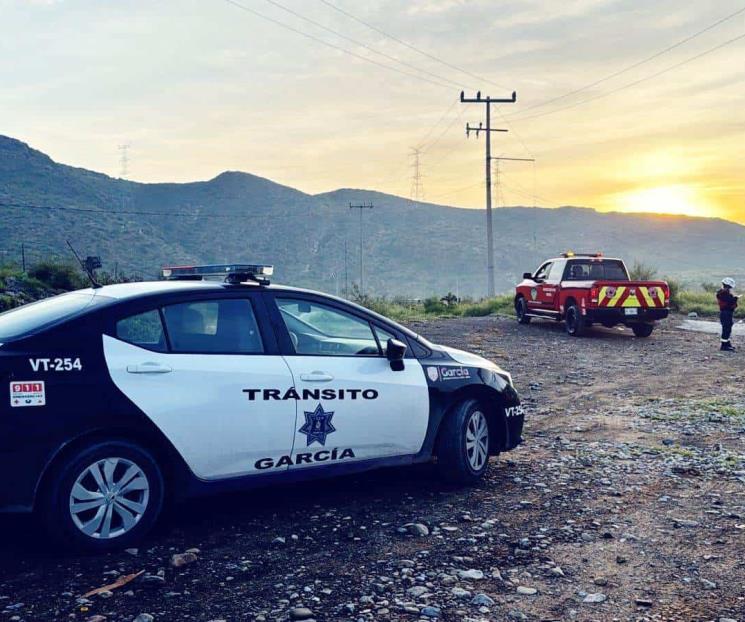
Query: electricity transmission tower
point(417, 188)
point(487, 102)
point(124, 173)
point(361, 207)
point(124, 160)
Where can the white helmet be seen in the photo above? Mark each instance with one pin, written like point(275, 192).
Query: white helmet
point(729, 282)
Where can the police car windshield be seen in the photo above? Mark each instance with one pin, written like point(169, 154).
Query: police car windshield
point(31, 318)
point(596, 270)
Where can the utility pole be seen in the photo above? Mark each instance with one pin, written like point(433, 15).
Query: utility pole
point(488, 101)
point(23, 257)
point(417, 189)
point(361, 206)
point(346, 278)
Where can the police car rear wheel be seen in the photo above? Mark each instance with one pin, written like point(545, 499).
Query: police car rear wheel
point(103, 497)
point(521, 311)
point(463, 447)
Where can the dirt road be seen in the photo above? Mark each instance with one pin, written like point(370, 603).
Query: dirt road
point(627, 502)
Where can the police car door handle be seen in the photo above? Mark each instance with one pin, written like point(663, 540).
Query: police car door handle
point(316, 376)
point(149, 368)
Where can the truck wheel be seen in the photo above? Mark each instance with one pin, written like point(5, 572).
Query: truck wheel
point(575, 321)
point(642, 330)
point(463, 445)
point(104, 497)
point(521, 311)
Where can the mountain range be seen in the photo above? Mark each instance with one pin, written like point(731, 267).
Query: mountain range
point(411, 248)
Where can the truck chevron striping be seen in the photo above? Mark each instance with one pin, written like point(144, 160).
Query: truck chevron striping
point(631, 296)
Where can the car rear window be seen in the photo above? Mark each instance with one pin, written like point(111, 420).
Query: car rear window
point(596, 270)
point(33, 317)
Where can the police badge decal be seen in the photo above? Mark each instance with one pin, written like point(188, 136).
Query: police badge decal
point(317, 425)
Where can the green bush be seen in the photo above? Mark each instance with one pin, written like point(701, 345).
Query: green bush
point(434, 306)
point(59, 276)
point(642, 272)
point(675, 290)
point(503, 304)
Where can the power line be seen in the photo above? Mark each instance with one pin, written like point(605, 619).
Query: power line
point(440, 120)
point(411, 47)
point(456, 191)
point(365, 46)
point(455, 120)
point(635, 65)
point(634, 83)
point(332, 45)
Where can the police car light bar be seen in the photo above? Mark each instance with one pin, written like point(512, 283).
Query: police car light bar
point(232, 273)
point(569, 254)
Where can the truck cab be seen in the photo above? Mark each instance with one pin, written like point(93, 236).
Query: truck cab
point(587, 289)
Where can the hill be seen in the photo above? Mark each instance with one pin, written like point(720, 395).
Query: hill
point(411, 249)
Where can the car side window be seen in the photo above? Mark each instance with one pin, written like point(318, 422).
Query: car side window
point(144, 330)
point(383, 337)
point(556, 271)
point(317, 329)
point(579, 271)
point(542, 272)
point(226, 326)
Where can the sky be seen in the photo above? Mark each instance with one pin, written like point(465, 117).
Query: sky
point(196, 87)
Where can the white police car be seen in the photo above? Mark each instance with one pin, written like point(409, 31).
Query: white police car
point(116, 398)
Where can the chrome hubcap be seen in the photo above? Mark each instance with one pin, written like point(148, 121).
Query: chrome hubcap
point(109, 498)
point(477, 441)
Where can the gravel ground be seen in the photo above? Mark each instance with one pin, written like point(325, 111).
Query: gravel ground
point(626, 502)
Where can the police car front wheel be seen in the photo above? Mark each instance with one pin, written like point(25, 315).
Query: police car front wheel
point(103, 497)
point(463, 447)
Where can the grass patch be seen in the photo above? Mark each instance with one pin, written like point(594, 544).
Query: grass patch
point(434, 307)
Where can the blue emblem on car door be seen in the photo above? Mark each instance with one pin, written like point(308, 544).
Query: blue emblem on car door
point(317, 425)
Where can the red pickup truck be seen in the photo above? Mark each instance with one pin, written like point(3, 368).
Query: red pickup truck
point(587, 289)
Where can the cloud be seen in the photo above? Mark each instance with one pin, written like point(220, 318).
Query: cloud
point(434, 6)
point(545, 12)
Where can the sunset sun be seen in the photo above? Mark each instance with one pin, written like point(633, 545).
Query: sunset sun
point(673, 199)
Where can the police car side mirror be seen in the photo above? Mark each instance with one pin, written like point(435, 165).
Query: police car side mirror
point(395, 352)
point(527, 275)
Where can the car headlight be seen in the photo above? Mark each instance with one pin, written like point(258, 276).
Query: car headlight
point(506, 376)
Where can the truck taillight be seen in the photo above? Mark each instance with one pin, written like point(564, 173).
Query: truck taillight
point(594, 294)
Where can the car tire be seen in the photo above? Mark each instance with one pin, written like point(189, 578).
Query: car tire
point(117, 490)
point(642, 330)
point(521, 311)
point(463, 446)
point(574, 321)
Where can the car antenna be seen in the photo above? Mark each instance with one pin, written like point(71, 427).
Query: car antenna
point(89, 266)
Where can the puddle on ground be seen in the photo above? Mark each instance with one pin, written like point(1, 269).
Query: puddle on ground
point(714, 328)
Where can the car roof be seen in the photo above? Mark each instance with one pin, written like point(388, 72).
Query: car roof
point(585, 258)
point(125, 291)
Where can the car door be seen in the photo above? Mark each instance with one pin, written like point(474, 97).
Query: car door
point(536, 299)
point(351, 405)
point(548, 291)
point(192, 367)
